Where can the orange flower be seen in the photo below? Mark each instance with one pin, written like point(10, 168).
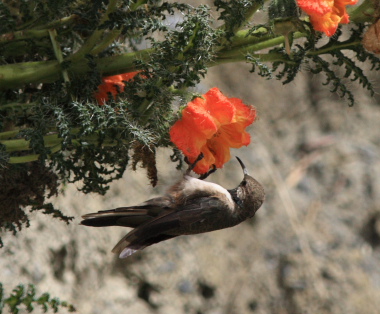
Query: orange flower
point(212, 125)
point(325, 15)
point(112, 84)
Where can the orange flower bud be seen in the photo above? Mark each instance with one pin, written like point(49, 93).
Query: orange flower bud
point(112, 84)
point(212, 125)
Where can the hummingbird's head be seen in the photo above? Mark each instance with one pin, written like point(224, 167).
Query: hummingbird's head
point(249, 195)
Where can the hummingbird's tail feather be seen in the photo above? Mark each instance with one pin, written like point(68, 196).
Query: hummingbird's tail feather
point(126, 247)
point(154, 231)
point(127, 252)
point(125, 216)
point(132, 216)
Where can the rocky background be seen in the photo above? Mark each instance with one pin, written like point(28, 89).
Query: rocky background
point(313, 247)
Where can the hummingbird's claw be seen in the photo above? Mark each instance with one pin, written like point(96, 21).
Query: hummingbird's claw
point(205, 175)
point(192, 166)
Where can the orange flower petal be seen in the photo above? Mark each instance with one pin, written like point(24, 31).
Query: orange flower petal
point(187, 139)
point(326, 15)
point(220, 150)
point(245, 115)
point(198, 118)
point(212, 125)
point(314, 7)
point(219, 106)
point(234, 135)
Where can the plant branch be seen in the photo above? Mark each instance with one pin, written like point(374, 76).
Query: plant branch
point(24, 34)
point(337, 46)
point(107, 40)
point(19, 74)
point(58, 53)
point(247, 17)
point(239, 53)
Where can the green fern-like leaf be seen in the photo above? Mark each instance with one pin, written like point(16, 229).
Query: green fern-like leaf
point(22, 297)
point(331, 78)
point(263, 69)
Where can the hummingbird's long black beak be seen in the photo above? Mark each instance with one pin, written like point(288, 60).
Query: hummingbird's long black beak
point(245, 171)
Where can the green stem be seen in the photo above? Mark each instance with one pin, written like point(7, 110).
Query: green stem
point(238, 53)
point(36, 33)
point(107, 40)
point(22, 35)
point(247, 17)
point(137, 4)
point(51, 140)
point(16, 105)
point(338, 46)
point(8, 134)
point(23, 144)
point(58, 53)
point(32, 157)
point(246, 37)
point(18, 74)
point(23, 159)
point(263, 57)
point(59, 23)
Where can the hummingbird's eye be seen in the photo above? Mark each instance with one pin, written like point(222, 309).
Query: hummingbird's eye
point(244, 183)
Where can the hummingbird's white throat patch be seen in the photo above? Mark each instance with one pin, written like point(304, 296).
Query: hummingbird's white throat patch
point(193, 184)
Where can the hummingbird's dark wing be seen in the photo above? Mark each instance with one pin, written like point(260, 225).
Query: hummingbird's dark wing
point(132, 216)
point(170, 225)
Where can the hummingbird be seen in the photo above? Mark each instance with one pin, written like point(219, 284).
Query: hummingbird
point(190, 206)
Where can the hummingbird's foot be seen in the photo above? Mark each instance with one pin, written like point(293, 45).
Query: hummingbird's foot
point(205, 175)
point(192, 166)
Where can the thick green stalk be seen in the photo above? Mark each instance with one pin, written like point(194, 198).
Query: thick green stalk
point(19, 74)
point(51, 141)
point(16, 106)
point(8, 134)
point(32, 157)
point(15, 75)
point(23, 144)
